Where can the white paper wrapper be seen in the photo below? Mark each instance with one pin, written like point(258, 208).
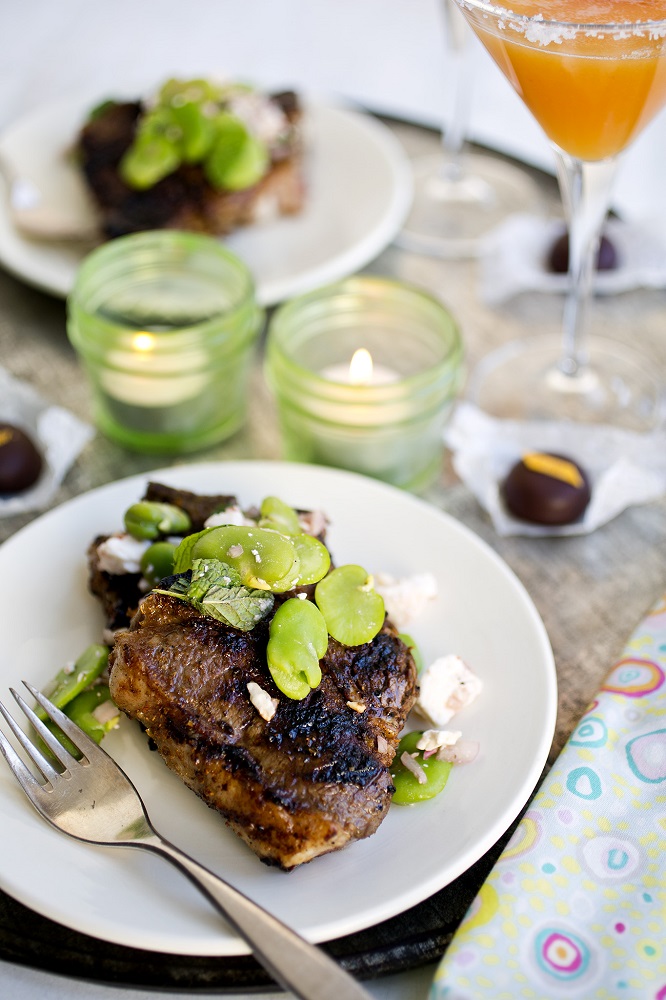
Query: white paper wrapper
point(57, 433)
point(513, 256)
point(625, 468)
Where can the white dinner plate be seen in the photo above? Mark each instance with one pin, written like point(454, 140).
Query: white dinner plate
point(482, 613)
point(359, 192)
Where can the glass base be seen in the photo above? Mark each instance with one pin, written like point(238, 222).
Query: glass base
point(451, 214)
point(525, 380)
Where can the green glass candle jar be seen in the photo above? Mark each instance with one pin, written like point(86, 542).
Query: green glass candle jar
point(166, 324)
point(365, 373)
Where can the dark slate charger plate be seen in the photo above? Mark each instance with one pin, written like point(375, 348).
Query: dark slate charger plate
point(410, 939)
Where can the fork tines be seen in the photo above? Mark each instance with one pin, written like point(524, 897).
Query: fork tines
point(80, 740)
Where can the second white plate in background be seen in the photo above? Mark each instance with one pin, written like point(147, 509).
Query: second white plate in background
point(359, 192)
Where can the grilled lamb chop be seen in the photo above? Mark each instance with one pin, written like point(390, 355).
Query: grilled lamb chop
point(185, 199)
point(120, 593)
point(308, 781)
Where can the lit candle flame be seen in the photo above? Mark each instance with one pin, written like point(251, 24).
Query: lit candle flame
point(143, 342)
point(360, 367)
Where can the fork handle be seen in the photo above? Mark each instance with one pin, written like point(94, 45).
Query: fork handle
point(293, 962)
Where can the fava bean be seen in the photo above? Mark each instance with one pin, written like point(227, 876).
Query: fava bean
point(264, 559)
point(353, 610)
point(417, 656)
point(149, 520)
point(81, 711)
point(408, 789)
point(157, 562)
point(297, 641)
point(278, 516)
point(314, 559)
point(70, 682)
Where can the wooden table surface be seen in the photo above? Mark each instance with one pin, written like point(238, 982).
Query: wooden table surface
point(591, 591)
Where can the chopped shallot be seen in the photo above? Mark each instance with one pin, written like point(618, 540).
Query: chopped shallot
point(414, 767)
point(313, 521)
point(464, 752)
point(382, 744)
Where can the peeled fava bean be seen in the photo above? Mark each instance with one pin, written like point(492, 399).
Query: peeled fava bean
point(353, 610)
point(265, 560)
point(157, 562)
point(297, 641)
point(150, 520)
point(408, 788)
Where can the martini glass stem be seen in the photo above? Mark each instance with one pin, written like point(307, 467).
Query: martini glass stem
point(586, 190)
point(455, 125)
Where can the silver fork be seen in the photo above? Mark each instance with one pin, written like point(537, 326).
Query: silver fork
point(93, 800)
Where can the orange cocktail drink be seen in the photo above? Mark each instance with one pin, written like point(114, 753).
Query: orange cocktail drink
point(593, 74)
point(592, 91)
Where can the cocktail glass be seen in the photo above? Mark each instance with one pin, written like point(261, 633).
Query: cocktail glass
point(593, 74)
point(459, 195)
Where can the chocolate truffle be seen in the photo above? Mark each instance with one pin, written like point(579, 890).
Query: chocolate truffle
point(20, 462)
point(558, 257)
point(546, 489)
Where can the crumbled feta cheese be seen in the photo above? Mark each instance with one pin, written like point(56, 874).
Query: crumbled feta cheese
point(232, 515)
point(405, 598)
point(433, 739)
point(106, 712)
point(234, 551)
point(446, 686)
point(264, 118)
point(262, 701)
point(356, 706)
point(120, 554)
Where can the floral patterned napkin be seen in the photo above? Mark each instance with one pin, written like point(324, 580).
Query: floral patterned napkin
point(576, 905)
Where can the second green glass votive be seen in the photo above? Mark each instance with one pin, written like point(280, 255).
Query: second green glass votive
point(365, 374)
point(166, 324)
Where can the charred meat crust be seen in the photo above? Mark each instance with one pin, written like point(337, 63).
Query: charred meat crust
point(309, 781)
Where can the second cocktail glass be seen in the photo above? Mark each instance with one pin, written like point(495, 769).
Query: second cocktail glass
point(593, 75)
point(461, 196)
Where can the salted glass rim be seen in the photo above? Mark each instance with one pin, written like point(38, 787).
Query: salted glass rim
point(598, 26)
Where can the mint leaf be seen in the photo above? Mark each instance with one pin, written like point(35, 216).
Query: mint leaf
point(207, 573)
point(182, 557)
point(215, 590)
